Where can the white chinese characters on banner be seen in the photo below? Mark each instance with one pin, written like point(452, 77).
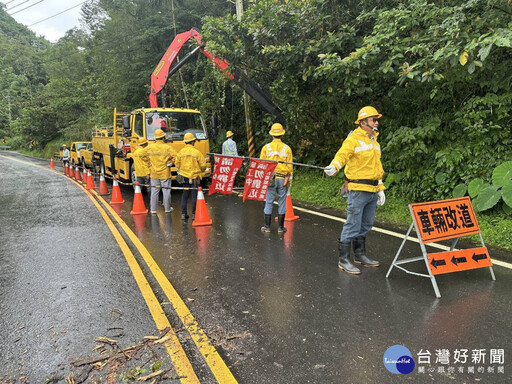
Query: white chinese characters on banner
point(224, 174)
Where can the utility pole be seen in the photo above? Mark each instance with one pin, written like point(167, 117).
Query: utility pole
point(248, 124)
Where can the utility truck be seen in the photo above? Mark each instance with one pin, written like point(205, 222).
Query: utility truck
point(113, 146)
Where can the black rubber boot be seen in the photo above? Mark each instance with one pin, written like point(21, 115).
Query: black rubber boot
point(360, 253)
point(280, 222)
point(266, 227)
point(345, 264)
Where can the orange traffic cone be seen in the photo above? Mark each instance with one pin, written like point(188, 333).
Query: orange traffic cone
point(289, 216)
point(202, 218)
point(116, 193)
point(84, 175)
point(71, 173)
point(90, 181)
point(77, 174)
point(103, 189)
point(52, 164)
point(138, 202)
point(65, 168)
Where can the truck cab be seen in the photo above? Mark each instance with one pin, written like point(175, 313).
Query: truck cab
point(74, 152)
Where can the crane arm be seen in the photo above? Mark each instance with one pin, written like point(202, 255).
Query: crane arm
point(165, 69)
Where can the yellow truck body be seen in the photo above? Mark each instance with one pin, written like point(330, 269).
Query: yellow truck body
point(113, 146)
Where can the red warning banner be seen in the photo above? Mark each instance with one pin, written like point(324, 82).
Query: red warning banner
point(445, 219)
point(455, 261)
point(224, 174)
point(257, 179)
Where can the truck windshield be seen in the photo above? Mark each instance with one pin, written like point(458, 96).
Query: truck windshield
point(175, 125)
point(80, 146)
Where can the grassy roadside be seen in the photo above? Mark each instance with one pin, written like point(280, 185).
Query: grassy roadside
point(316, 188)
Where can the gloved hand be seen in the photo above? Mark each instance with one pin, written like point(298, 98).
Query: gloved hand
point(381, 198)
point(330, 170)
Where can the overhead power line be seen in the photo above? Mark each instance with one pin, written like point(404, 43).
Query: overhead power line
point(30, 6)
point(9, 2)
point(17, 5)
point(57, 14)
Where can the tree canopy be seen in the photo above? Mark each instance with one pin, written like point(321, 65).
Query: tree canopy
point(440, 73)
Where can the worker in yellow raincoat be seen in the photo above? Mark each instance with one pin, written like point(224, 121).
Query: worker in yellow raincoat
point(283, 174)
point(191, 164)
point(159, 156)
point(360, 155)
point(140, 167)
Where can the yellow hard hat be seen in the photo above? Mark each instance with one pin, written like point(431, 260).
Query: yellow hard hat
point(64, 145)
point(367, 112)
point(159, 134)
point(189, 137)
point(142, 141)
point(229, 134)
point(277, 130)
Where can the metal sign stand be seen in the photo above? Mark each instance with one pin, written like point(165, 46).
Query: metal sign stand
point(397, 263)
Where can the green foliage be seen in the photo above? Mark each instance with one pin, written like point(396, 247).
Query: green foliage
point(485, 196)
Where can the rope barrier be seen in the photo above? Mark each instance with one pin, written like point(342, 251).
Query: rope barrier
point(270, 161)
point(93, 173)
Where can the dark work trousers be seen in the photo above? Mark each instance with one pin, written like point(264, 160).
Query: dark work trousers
point(184, 198)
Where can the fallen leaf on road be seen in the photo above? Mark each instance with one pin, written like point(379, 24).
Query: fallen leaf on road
point(319, 366)
point(190, 299)
point(278, 365)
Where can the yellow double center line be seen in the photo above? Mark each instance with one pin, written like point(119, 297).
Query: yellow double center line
point(178, 356)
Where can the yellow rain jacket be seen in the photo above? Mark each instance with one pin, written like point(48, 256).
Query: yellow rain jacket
point(277, 150)
point(156, 155)
point(141, 168)
point(191, 162)
point(361, 155)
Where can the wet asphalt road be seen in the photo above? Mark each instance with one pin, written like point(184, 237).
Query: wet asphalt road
point(277, 307)
point(64, 281)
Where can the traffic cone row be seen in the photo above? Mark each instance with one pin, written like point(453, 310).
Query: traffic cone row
point(201, 218)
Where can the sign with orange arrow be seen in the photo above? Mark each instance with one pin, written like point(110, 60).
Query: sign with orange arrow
point(455, 261)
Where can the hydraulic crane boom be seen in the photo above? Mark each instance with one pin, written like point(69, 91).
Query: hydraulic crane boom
point(165, 69)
